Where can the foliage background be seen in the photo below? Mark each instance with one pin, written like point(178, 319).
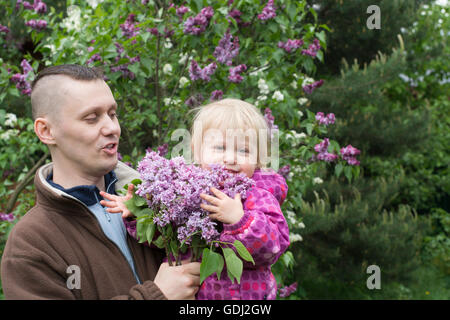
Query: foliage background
point(391, 103)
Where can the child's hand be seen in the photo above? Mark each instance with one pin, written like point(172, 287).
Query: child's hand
point(223, 208)
point(116, 203)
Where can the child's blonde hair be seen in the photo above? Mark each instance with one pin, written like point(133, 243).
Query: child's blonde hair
point(230, 114)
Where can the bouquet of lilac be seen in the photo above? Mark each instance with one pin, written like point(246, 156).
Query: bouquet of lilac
point(168, 213)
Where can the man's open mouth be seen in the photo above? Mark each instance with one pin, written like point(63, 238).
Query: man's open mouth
point(110, 148)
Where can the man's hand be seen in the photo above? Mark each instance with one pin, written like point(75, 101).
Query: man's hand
point(116, 203)
point(223, 208)
point(179, 282)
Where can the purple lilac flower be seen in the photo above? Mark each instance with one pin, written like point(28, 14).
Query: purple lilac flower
point(290, 45)
point(181, 10)
point(119, 49)
point(236, 15)
point(26, 67)
point(216, 95)
point(322, 150)
point(6, 217)
point(208, 12)
point(268, 11)
point(196, 73)
point(194, 100)
point(323, 146)
point(197, 222)
point(21, 83)
point(288, 290)
point(227, 49)
point(95, 57)
point(270, 120)
point(312, 49)
point(123, 68)
point(39, 6)
point(328, 157)
point(284, 171)
point(325, 120)
point(196, 25)
point(37, 25)
point(309, 88)
point(26, 5)
point(235, 73)
point(4, 29)
point(20, 79)
point(163, 149)
point(128, 28)
point(172, 190)
point(144, 2)
point(349, 153)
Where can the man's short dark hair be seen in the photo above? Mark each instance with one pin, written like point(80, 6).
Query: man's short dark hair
point(44, 100)
point(74, 71)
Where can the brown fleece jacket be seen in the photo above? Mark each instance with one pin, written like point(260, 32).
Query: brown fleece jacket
point(59, 232)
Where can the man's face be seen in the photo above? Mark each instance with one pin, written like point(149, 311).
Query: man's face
point(86, 129)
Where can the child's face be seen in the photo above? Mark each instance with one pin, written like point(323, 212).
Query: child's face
point(238, 158)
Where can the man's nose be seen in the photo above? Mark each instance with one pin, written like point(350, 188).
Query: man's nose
point(110, 126)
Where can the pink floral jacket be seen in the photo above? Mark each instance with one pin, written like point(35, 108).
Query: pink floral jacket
point(264, 232)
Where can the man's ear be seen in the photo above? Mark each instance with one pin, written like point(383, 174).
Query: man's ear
point(43, 129)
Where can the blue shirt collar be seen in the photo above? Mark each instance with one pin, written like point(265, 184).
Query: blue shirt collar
point(88, 194)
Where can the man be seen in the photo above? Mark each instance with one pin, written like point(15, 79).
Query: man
point(68, 246)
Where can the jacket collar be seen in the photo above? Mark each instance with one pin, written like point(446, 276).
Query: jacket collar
point(49, 195)
point(88, 194)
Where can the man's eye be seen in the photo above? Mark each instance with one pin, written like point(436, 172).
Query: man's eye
point(91, 118)
point(114, 115)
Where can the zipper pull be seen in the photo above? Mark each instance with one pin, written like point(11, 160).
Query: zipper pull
point(104, 209)
point(107, 215)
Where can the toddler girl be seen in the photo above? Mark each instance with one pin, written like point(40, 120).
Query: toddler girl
point(258, 221)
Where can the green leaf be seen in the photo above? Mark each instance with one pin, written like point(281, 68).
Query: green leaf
point(321, 36)
point(243, 252)
point(136, 182)
point(159, 242)
point(288, 259)
point(211, 262)
point(134, 67)
point(234, 264)
point(338, 169)
point(150, 232)
point(348, 173)
point(356, 171)
point(309, 128)
point(131, 206)
point(140, 232)
point(145, 212)
point(169, 231)
point(174, 247)
point(139, 201)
